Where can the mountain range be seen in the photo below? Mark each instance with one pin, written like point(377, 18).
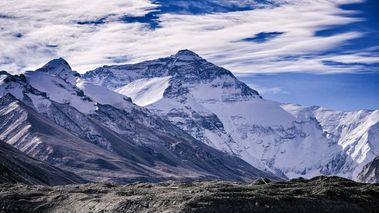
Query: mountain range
point(177, 118)
point(54, 116)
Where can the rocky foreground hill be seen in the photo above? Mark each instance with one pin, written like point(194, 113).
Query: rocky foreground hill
point(320, 194)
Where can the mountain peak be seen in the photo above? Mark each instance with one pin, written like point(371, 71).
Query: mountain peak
point(58, 64)
point(60, 67)
point(187, 55)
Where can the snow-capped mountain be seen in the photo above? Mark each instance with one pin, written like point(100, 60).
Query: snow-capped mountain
point(54, 116)
point(212, 105)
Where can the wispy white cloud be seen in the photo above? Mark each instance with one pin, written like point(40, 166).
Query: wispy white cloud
point(41, 30)
point(268, 90)
point(353, 58)
point(35, 31)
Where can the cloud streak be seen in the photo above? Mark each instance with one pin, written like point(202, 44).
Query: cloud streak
point(33, 32)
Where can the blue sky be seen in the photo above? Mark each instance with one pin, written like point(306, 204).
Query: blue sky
point(342, 91)
point(323, 41)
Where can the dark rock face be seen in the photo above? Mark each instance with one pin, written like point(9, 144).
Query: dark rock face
point(370, 172)
point(321, 194)
point(16, 167)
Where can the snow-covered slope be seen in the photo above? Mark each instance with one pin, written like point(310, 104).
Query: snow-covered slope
point(145, 91)
point(355, 133)
point(99, 134)
point(103, 95)
point(213, 106)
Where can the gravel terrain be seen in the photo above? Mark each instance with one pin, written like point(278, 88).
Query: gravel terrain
point(320, 194)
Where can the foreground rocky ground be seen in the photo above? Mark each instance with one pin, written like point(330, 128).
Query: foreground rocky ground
point(321, 194)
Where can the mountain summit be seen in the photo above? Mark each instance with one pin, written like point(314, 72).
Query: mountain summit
point(60, 67)
point(187, 55)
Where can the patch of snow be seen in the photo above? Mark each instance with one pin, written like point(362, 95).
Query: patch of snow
point(103, 95)
point(146, 91)
point(223, 102)
point(39, 102)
